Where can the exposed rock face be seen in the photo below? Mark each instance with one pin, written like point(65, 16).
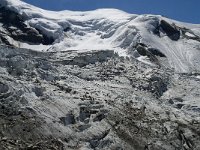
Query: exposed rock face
point(171, 31)
point(151, 53)
point(111, 103)
point(142, 49)
point(14, 24)
point(156, 52)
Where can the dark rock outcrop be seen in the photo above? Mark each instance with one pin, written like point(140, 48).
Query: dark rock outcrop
point(15, 28)
point(171, 31)
point(151, 53)
point(142, 49)
point(156, 52)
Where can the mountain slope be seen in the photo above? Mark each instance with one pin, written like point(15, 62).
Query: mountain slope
point(69, 101)
point(66, 85)
point(108, 29)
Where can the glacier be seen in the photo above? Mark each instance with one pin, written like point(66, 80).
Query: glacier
point(100, 79)
point(114, 30)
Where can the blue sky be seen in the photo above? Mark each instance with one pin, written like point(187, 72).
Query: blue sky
point(182, 10)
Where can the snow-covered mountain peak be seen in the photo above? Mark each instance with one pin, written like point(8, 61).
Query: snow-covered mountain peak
point(105, 29)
